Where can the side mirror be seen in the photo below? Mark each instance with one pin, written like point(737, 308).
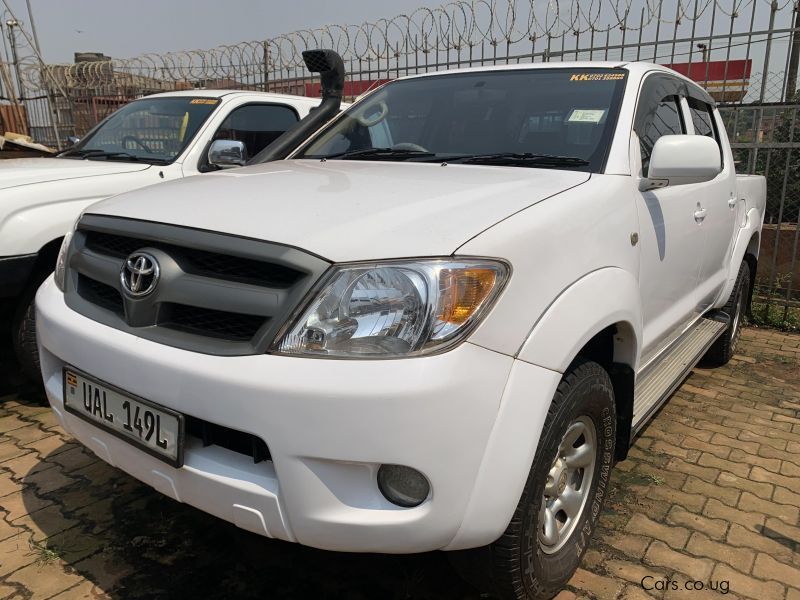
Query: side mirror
point(72, 140)
point(226, 154)
point(682, 159)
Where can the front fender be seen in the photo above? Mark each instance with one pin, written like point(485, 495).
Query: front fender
point(27, 230)
point(602, 298)
point(508, 456)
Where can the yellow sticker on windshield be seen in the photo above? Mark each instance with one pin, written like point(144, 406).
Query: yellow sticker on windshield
point(596, 76)
point(204, 101)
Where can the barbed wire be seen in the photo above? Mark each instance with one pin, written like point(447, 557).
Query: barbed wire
point(456, 26)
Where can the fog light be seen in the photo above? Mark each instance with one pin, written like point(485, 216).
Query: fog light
point(403, 486)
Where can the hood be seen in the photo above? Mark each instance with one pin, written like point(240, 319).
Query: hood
point(348, 210)
point(24, 171)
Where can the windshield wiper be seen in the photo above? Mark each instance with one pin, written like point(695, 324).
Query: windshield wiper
point(81, 153)
point(379, 153)
point(517, 159)
point(97, 153)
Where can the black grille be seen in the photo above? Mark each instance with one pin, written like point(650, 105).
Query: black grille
point(237, 441)
point(240, 293)
point(100, 294)
point(211, 323)
point(115, 245)
point(199, 262)
point(225, 266)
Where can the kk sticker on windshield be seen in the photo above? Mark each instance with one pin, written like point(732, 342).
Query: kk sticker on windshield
point(596, 76)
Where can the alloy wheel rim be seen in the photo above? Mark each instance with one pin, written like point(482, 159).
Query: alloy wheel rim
point(568, 483)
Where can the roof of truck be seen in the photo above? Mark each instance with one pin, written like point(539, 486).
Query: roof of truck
point(202, 93)
point(637, 68)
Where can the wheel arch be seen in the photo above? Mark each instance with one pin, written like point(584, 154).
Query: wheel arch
point(598, 317)
point(751, 257)
point(613, 348)
point(46, 257)
point(601, 308)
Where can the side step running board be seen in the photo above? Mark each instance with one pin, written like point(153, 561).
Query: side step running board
point(656, 385)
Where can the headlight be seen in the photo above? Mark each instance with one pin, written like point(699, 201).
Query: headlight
point(61, 262)
point(395, 309)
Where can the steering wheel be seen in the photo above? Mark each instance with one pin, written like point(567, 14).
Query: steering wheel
point(136, 141)
point(409, 146)
point(383, 110)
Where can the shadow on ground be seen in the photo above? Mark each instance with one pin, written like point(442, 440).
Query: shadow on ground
point(132, 542)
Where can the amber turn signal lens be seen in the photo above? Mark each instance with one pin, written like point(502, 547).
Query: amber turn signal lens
point(463, 291)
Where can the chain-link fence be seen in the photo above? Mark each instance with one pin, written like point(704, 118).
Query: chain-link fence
point(745, 52)
point(766, 140)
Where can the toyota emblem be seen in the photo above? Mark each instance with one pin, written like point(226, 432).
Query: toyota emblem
point(139, 274)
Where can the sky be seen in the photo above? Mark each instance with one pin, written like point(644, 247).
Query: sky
point(124, 29)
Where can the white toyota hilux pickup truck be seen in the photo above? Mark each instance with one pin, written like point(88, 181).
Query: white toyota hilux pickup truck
point(436, 325)
point(155, 139)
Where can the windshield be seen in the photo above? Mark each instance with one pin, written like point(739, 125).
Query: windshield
point(554, 118)
point(152, 130)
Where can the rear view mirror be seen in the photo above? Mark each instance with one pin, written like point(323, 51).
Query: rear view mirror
point(682, 159)
point(225, 154)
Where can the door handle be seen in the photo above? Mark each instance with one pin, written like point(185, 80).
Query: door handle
point(732, 202)
point(699, 215)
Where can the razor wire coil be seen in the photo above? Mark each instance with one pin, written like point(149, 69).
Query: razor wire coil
point(456, 26)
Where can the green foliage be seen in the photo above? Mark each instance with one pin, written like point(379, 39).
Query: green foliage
point(775, 316)
point(44, 552)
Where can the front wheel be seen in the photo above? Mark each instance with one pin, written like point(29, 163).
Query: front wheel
point(23, 331)
point(563, 496)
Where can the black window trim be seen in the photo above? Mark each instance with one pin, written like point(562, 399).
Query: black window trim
point(202, 161)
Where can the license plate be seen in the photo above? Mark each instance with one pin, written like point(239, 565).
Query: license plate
point(153, 428)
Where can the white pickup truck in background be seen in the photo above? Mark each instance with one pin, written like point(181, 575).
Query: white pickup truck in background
point(151, 140)
point(436, 325)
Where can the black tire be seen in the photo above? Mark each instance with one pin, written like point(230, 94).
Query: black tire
point(23, 331)
point(725, 347)
point(519, 565)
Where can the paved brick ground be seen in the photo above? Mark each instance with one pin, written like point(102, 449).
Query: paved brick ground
point(709, 494)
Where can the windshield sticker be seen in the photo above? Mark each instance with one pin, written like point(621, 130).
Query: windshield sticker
point(583, 115)
point(596, 76)
point(204, 101)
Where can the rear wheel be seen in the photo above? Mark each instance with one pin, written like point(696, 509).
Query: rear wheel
point(563, 496)
point(724, 348)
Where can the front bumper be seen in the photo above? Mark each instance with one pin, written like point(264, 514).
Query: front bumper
point(14, 274)
point(329, 425)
